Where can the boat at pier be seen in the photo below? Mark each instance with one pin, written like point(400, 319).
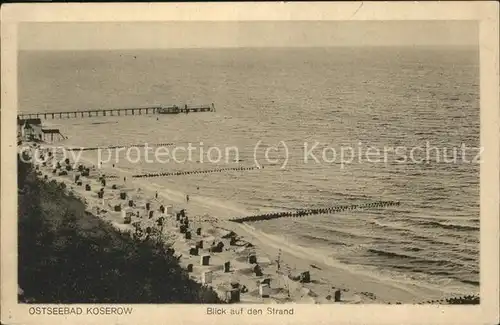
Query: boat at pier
point(168, 110)
point(186, 109)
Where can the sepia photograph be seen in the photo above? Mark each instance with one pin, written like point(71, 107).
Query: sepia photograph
point(267, 162)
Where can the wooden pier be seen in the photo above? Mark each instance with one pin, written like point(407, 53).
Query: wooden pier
point(119, 112)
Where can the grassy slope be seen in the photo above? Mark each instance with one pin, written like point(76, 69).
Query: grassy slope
point(69, 256)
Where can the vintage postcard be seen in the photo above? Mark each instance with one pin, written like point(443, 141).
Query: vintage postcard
point(250, 162)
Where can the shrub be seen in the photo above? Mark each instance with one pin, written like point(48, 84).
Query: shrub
point(70, 256)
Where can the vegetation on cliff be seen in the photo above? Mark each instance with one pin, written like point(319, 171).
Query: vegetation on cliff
point(67, 255)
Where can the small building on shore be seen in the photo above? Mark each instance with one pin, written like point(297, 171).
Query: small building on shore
point(29, 129)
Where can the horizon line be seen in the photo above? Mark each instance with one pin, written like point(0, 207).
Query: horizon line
point(254, 47)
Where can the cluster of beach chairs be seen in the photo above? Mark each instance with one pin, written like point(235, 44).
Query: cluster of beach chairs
point(307, 212)
point(192, 236)
point(231, 293)
point(194, 172)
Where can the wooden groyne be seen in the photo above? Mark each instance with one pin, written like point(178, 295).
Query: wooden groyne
point(189, 172)
point(471, 299)
point(308, 212)
point(120, 146)
point(119, 112)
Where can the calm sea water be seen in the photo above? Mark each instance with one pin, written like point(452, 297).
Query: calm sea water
point(357, 97)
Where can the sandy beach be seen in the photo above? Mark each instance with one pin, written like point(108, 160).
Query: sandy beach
point(229, 247)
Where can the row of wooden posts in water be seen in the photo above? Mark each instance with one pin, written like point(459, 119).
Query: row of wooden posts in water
point(308, 212)
point(462, 300)
point(121, 146)
point(195, 172)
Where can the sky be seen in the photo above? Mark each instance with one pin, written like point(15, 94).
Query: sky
point(220, 34)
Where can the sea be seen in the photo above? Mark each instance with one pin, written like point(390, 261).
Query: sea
point(327, 126)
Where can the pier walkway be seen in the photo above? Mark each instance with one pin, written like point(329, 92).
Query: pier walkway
point(119, 111)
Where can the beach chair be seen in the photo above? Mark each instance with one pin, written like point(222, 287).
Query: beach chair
point(227, 267)
point(257, 270)
point(193, 251)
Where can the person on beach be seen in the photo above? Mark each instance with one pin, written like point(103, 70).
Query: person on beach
point(124, 179)
point(187, 198)
point(156, 195)
point(278, 260)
